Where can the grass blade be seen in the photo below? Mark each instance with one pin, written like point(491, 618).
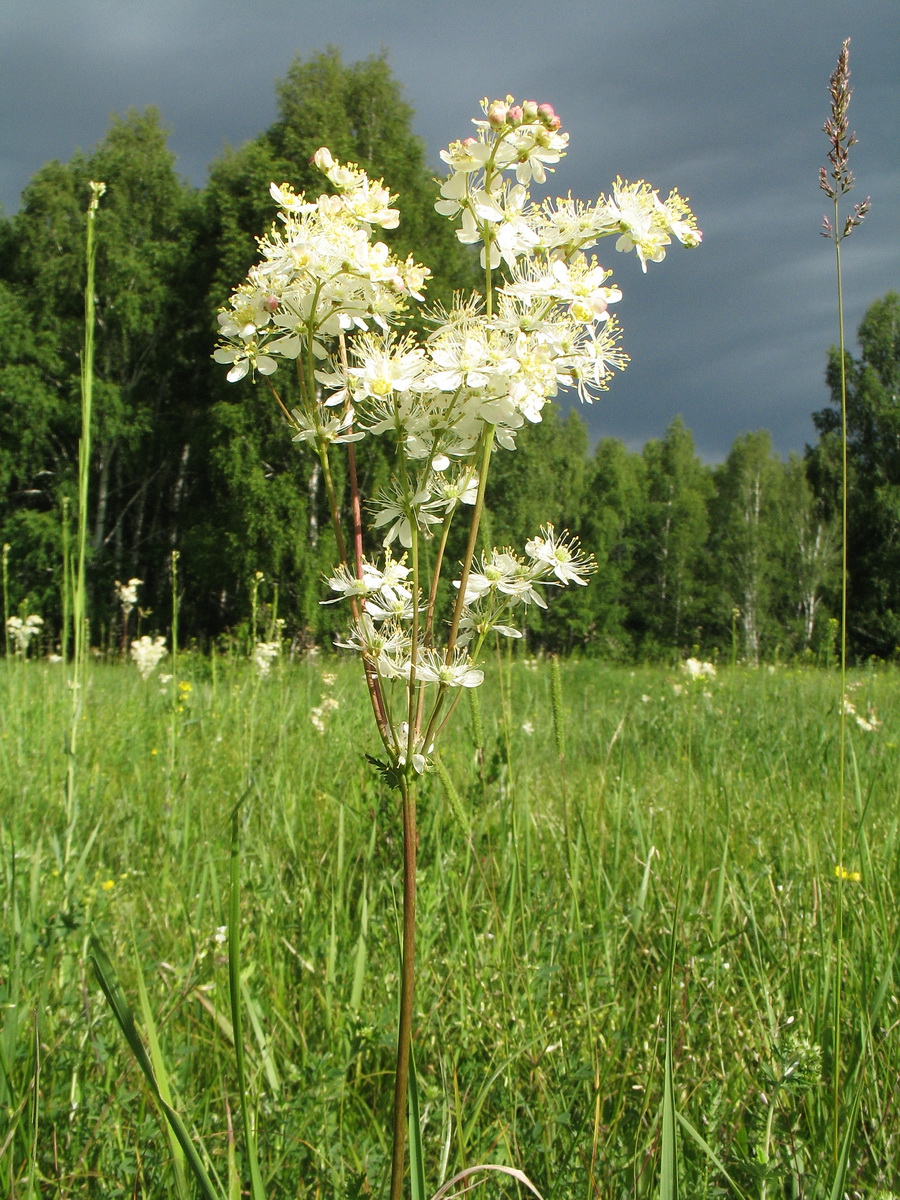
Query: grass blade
point(162, 1076)
point(840, 1174)
point(234, 980)
point(668, 1174)
point(416, 1156)
point(707, 1149)
point(106, 977)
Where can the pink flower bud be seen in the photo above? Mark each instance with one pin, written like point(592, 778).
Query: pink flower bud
point(546, 115)
point(529, 110)
point(270, 303)
point(515, 115)
point(496, 114)
point(322, 159)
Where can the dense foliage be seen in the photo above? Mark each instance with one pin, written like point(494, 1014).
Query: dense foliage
point(740, 559)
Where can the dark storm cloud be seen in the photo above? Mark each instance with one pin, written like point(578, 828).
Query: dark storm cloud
point(724, 102)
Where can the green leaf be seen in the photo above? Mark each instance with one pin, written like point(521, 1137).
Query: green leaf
point(416, 1156)
point(234, 980)
point(106, 977)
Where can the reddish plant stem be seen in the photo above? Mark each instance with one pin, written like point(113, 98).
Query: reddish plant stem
point(407, 985)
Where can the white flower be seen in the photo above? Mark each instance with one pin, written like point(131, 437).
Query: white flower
point(867, 724)
point(419, 758)
point(695, 669)
point(401, 515)
point(562, 554)
point(331, 430)
point(147, 653)
point(386, 646)
point(264, 654)
point(126, 594)
point(23, 631)
point(459, 672)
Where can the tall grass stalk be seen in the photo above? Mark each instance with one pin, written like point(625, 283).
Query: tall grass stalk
point(837, 182)
point(79, 591)
point(4, 562)
point(66, 590)
point(174, 572)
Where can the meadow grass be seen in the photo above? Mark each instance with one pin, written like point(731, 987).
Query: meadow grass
point(582, 839)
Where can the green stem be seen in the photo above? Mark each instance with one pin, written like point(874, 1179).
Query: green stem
point(487, 444)
point(411, 714)
point(5, 562)
point(842, 754)
point(79, 616)
point(407, 984)
point(322, 447)
point(373, 682)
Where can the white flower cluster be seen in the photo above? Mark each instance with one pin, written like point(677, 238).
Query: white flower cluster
point(695, 669)
point(504, 582)
point(320, 713)
point(22, 632)
point(320, 275)
point(524, 139)
point(126, 594)
point(868, 723)
point(264, 654)
point(328, 298)
point(147, 653)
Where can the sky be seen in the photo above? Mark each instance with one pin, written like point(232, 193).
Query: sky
point(723, 101)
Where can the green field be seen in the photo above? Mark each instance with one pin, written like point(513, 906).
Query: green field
point(548, 894)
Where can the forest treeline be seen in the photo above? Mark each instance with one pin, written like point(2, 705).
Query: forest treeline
point(740, 558)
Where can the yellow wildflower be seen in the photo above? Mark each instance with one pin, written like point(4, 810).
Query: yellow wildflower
point(841, 872)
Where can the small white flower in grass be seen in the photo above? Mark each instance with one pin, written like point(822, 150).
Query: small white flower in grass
point(321, 711)
point(264, 654)
point(23, 631)
point(147, 653)
point(867, 724)
point(695, 669)
point(528, 727)
point(126, 594)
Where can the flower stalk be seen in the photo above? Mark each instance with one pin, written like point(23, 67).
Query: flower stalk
point(79, 591)
point(836, 181)
point(328, 298)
